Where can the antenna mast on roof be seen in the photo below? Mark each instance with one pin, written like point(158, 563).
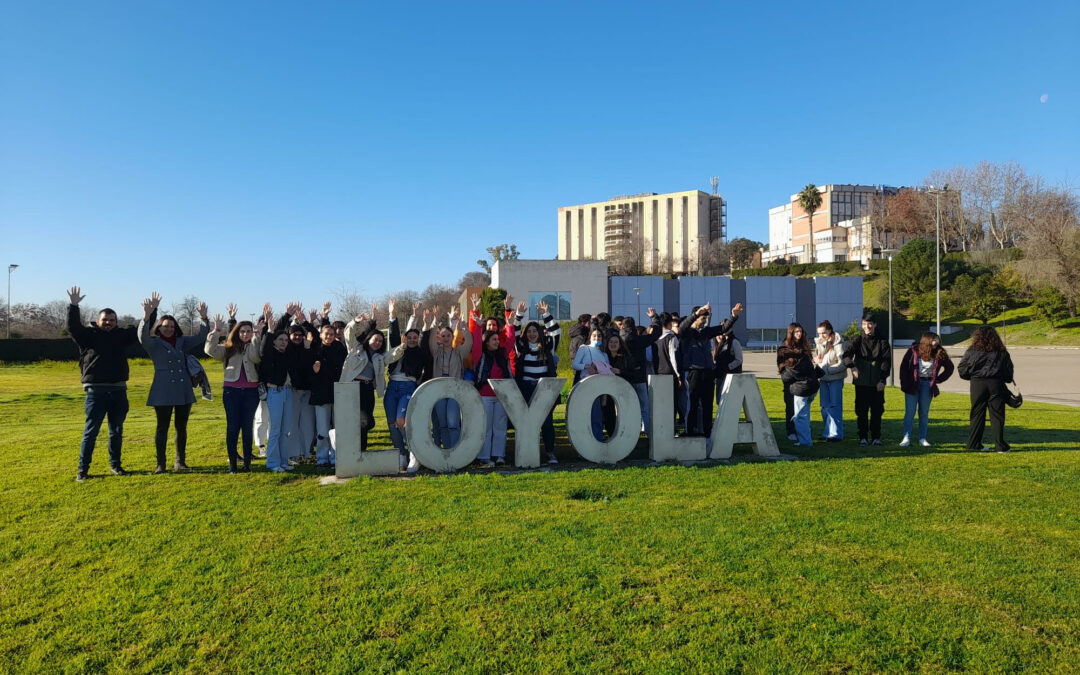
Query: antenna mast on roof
point(715, 183)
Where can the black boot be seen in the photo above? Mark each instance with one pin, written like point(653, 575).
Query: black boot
point(181, 464)
point(160, 456)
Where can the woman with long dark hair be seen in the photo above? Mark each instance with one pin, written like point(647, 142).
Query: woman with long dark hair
point(622, 364)
point(492, 360)
point(922, 368)
point(535, 352)
point(988, 366)
point(170, 392)
point(240, 354)
point(366, 364)
point(794, 340)
point(800, 377)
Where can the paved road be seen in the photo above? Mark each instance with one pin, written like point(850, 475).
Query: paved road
point(1047, 374)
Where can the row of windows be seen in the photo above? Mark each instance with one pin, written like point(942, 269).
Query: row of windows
point(558, 304)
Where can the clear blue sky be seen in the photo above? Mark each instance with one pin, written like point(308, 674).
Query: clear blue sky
point(253, 151)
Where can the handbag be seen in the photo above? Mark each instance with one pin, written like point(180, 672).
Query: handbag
point(1013, 400)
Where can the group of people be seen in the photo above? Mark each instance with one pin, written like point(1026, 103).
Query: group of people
point(822, 368)
point(289, 371)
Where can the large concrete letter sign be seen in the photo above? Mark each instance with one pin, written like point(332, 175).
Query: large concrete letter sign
point(663, 446)
point(527, 417)
point(418, 424)
point(627, 424)
point(350, 460)
point(741, 393)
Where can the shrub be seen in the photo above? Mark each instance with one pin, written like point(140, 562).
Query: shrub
point(1049, 303)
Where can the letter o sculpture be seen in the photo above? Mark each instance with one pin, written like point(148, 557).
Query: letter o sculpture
point(418, 424)
point(627, 423)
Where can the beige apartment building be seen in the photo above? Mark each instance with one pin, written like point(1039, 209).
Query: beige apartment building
point(841, 227)
point(645, 233)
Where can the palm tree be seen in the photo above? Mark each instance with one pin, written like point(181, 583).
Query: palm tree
point(810, 201)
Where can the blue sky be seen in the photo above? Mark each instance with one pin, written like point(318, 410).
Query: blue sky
point(253, 151)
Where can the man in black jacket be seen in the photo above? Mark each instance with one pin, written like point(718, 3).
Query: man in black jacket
point(103, 362)
point(695, 344)
point(870, 359)
point(636, 345)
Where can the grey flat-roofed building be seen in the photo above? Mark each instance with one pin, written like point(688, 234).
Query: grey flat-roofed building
point(771, 304)
point(838, 299)
point(569, 287)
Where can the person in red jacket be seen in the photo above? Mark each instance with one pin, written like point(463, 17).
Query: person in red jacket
point(922, 368)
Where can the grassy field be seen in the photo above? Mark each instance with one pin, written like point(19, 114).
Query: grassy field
point(864, 559)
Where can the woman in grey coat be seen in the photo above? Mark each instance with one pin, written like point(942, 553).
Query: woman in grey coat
point(171, 388)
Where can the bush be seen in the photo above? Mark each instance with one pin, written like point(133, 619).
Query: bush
point(1049, 303)
point(491, 301)
point(924, 306)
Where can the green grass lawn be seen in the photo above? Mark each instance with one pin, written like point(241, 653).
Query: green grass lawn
point(864, 559)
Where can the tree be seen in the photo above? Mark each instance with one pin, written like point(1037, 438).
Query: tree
point(474, 280)
point(349, 301)
point(810, 200)
point(491, 301)
point(627, 260)
point(716, 259)
point(497, 253)
point(1049, 304)
point(913, 270)
point(439, 294)
point(1053, 242)
point(185, 312)
point(743, 252)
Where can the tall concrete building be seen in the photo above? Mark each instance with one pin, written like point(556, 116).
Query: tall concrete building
point(840, 226)
point(646, 233)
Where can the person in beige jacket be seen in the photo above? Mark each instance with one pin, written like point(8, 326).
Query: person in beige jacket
point(366, 364)
point(240, 353)
point(447, 361)
point(829, 356)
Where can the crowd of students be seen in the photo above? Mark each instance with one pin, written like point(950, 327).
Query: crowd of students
point(279, 376)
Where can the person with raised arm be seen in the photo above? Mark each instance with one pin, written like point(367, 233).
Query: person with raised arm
point(492, 357)
point(637, 346)
point(240, 353)
point(404, 368)
point(534, 351)
point(695, 344)
point(329, 358)
point(366, 364)
point(170, 391)
point(280, 360)
point(447, 361)
point(104, 368)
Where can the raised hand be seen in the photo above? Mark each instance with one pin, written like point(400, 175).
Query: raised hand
point(231, 308)
point(260, 324)
point(416, 308)
point(705, 309)
point(651, 312)
point(521, 307)
point(326, 309)
point(73, 295)
point(475, 299)
point(267, 310)
point(427, 316)
point(147, 308)
point(436, 311)
point(543, 307)
point(155, 299)
point(312, 315)
point(217, 322)
point(390, 305)
point(508, 301)
point(290, 309)
point(202, 311)
point(737, 309)
point(453, 312)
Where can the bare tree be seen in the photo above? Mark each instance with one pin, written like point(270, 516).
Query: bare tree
point(349, 301)
point(1053, 244)
point(474, 280)
point(628, 260)
point(439, 294)
point(186, 311)
point(715, 259)
point(403, 304)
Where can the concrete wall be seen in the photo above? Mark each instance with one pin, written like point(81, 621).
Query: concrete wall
point(624, 300)
point(586, 281)
point(838, 299)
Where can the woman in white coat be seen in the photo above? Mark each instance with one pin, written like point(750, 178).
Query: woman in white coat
point(829, 356)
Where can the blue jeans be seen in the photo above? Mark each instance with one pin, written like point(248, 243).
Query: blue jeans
point(494, 430)
point(448, 415)
point(596, 419)
point(922, 402)
point(802, 419)
point(642, 390)
point(240, 405)
point(396, 391)
point(111, 402)
point(832, 408)
point(279, 407)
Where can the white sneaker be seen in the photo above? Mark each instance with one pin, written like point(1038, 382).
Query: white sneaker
point(278, 469)
point(923, 442)
point(414, 464)
point(905, 441)
point(552, 459)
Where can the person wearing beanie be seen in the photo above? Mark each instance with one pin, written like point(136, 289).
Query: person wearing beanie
point(870, 358)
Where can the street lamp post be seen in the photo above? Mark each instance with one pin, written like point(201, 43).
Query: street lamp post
point(9, 270)
point(637, 317)
point(1003, 340)
point(892, 371)
point(937, 250)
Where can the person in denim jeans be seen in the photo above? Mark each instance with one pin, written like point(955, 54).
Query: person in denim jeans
point(924, 366)
point(103, 363)
point(829, 356)
point(240, 354)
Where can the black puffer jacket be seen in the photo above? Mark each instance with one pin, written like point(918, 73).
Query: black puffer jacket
point(986, 366)
point(802, 378)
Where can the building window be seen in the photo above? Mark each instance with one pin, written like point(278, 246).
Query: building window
point(558, 303)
